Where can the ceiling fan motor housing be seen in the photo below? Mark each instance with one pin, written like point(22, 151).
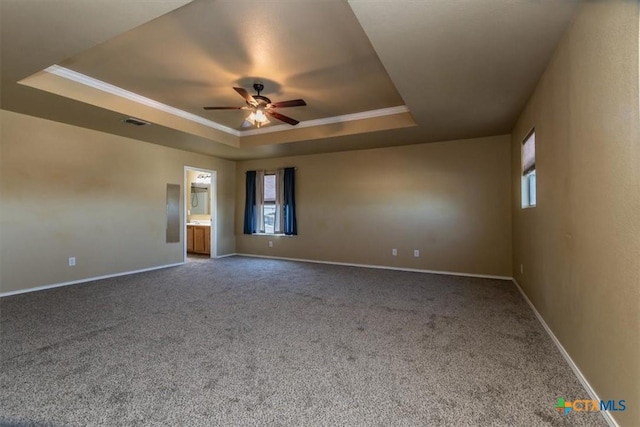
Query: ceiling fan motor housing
point(259, 87)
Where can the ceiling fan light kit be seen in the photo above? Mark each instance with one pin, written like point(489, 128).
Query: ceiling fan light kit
point(258, 118)
point(261, 107)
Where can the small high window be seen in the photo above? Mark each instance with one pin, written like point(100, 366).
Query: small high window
point(529, 170)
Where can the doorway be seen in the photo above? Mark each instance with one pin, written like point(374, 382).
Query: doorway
point(200, 216)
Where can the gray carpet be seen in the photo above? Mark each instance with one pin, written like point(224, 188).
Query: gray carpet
point(242, 341)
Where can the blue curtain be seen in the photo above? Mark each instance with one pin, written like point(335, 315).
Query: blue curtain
point(289, 203)
point(250, 203)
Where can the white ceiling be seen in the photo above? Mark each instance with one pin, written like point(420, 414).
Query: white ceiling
point(463, 68)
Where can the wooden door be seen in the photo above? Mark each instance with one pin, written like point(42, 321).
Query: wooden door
point(199, 240)
point(207, 240)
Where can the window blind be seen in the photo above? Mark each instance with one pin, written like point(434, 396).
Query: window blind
point(529, 153)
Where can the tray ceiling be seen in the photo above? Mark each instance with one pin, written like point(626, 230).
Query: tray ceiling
point(373, 74)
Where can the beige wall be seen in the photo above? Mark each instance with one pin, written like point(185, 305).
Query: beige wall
point(68, 191)
point(580, 247)
point(450, 200)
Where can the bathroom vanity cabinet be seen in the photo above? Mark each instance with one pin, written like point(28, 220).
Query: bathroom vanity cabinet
point(199, 239)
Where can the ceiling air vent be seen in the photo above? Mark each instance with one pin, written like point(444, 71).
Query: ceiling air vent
point(135, 122)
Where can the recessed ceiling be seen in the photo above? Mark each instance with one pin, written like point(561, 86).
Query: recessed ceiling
point(373, 74)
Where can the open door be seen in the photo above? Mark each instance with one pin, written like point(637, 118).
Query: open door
point(200, 213)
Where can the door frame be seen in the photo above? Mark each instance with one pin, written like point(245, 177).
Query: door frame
point(212, 208)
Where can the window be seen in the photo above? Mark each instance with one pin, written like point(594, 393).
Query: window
point(529, 170)
point(269, 207)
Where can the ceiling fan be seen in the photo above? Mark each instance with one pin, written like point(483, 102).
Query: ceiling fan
point(261, 107)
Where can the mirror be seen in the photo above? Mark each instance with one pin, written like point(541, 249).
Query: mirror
point(173, 213)
point(199, 203)
point(198, 193)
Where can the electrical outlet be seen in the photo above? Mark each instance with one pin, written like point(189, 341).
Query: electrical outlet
point(394, 252)
point(72, 261)
point(416, 253)
point(270, 243)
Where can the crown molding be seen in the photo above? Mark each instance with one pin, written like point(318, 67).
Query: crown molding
point(134, 97)
point(329, 120)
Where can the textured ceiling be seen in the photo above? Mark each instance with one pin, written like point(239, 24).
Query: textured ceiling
point(464, 68)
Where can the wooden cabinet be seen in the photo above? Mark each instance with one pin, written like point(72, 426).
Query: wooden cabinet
point(190, 238)
point(199, 239)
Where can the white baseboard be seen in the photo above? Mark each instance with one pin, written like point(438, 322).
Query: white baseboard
point(381, 267)
point(88, 279)
point(605, 414)
point(225, 255)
